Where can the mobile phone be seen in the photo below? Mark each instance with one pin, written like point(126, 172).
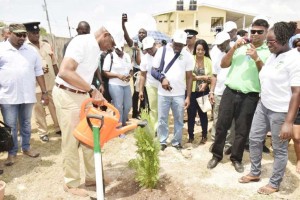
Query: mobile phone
point(247, 40)
point(124, 16)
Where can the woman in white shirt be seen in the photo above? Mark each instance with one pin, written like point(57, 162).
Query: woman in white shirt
point(119, 74)
point(278, 106)
point(295, 43)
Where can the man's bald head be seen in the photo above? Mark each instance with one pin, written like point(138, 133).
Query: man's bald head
point(83, 28)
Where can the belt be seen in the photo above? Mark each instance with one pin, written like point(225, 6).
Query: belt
point(69, 89)
point(240, 92)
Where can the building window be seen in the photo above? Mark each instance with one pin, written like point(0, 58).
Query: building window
point(160, 21)
point(182, 21)
point(166, 21)
point(216, 24)
point(197, 23)
point(172, 21)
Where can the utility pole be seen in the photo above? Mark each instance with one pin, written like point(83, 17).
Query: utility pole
point(52, 37)
point(69, 27)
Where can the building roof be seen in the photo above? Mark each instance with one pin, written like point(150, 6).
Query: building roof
point(231, 14)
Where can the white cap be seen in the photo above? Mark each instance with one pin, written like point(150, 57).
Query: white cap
point(228, 26)
point(221, 37)
point(292, 39)
point(260, 17)
point(148, 42)
point(180, 37)
point(112, 30)
point(119, 40)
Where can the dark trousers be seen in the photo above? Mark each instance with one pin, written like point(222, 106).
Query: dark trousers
point(240, 107)
point(192, 112)
point(135, 99)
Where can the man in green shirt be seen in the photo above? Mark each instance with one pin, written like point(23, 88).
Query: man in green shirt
point(241, 95)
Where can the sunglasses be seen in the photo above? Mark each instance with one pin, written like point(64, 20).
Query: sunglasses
point(259, 32)
point(19, 35)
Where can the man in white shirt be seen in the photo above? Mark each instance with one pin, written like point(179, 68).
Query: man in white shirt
point(73, 86)
point(171, 91)
point(146, 77)
point(20, 68)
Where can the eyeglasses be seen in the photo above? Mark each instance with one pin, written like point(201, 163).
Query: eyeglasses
point(19, 35)
point(271, 41)
point(259, 32)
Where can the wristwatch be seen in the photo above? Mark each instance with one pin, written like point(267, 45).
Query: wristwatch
point(45, 92)
point(92, 89)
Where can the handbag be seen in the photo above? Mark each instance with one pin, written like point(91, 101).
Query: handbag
point(6, 139)
point(137, 75)
point(204, 103)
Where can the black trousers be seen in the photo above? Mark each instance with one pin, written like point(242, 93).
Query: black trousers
point(192, 111)
point(240, 107)
point(135, 99)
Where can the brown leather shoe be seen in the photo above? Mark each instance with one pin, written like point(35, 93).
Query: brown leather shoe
point(31, 153)
point(76, 191)
point(11, 159)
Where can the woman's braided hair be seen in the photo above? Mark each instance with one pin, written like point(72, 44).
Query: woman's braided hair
point(284, 31)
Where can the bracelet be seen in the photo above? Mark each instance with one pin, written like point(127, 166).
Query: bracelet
point(258, 59)
point(211, 92)
point(45, 92)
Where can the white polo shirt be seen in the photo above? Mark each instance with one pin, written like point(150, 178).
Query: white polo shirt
point(18, 71)
point(119, 66)
point(216, 57)
point(85, 50)
point(146, 66)
point(276, 78)
point(177, 73)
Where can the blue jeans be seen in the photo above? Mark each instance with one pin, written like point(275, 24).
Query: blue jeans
point(265, 120)
point(11, 114)
point(176, 103)
point(121, 99)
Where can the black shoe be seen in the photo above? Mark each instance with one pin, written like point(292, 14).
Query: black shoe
point(247, 147)
point(191, 140)
point(203, 140)
point(163, 147)
point(178, 146)
point(227, 150)
point(58, 133)
point(45, 138)
point(238, 166)
point(266, 149)
point(213, 163)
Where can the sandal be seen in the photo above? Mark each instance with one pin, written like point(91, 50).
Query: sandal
point(267, 189)
point(249, 178)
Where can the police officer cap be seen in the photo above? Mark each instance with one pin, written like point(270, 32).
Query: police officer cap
point(191, 32)
point(32, 26)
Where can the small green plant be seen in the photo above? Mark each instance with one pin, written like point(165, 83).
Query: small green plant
point(147, 162)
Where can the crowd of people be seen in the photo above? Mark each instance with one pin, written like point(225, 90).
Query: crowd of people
point(252, 80)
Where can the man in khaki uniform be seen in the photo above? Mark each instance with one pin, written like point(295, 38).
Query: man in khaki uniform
point(50, 71)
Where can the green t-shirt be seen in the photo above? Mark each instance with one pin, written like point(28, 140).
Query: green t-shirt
point(243, 73)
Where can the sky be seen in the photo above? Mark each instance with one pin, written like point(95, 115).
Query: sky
point(109, 12)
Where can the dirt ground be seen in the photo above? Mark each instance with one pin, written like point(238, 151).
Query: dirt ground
point(183, 174)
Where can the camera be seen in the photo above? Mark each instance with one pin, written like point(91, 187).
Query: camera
point(124, 16)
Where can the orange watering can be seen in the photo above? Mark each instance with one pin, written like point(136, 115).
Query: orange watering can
point(109, 124)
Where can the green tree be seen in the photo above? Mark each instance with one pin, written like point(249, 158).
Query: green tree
point(43, 31)
point(147, 162)
point(2, 24)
